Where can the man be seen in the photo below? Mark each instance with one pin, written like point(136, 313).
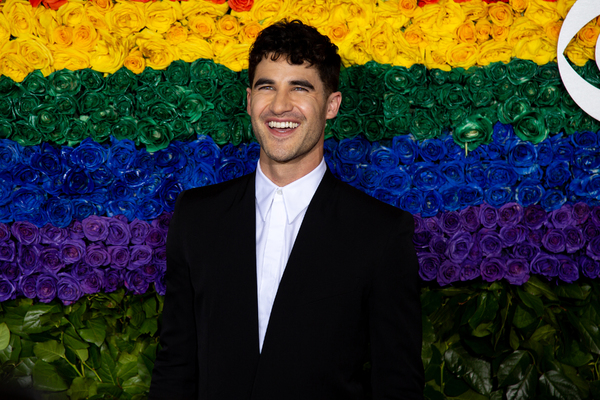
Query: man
point(280, 283)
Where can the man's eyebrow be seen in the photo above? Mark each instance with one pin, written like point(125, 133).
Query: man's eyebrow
point(264, 81)
point(304, 83)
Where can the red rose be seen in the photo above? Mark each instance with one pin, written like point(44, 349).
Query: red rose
point(241, 5)
point(422, 3)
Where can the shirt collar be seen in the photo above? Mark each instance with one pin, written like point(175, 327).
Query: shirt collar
point(296, 195)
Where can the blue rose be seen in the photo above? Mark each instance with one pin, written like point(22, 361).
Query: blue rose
point(453, 150)
point(253, 153)
point(386, 195)
point(120, 190)
point(529, 192)
point(203, 175)
point(205, 150)
point(370, 177)
point(10, 154)
point(405, 147)
point(77, 181)
point(562, 149)
point(476, 173)
point(83, 208)
point(144, 161)
point(497, 196)
point(347, 172)
point(522, 156)
point(411, 201)
point(102, 176)
point(432, 150)
point(492, 151)
point(454, 172)
point(229, 150)
point(553, 199)
point(397, 180)
point(89, 155)
point(168, 192)
point(557, 173)
point(469, 195)
point(228, 169)
point(47, 160)
point(502, 133)
point(59, 211)
point(450, 197)
point(26, 199)
point(432, 204)
point(135, 177)
point(121, 156)
point(500, 173)
point(545, 153)
point(148, 209)
point(6, 191)
point(588, 160)
point(24, 174)
point(586, 139)
point(171, 159)
point(427, 176)
point(353, 151)
point(383, 158)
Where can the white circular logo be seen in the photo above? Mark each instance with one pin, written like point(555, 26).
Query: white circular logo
point(583, 93)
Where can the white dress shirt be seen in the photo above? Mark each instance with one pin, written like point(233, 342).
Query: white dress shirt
point(269, 267)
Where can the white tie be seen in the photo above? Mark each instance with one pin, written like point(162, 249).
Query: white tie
point(272, 265)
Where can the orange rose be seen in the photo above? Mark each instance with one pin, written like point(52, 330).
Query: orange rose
point(588, 35)
point(240, 5)
point(462, 55)
point(63, 35)
point(484, 30)
point(467, 33)
point(500, 33)
point(493, 51)
point(414, 36)
point(176, 34)
point(135, 61)
point(501, 14)
point(553, 30)
point(249, 32)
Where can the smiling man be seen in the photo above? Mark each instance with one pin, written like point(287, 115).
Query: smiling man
point(281, 284)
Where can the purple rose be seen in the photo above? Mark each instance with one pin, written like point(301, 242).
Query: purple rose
point(574, 238)
point(432, 225)
point(581, 212)
point(595, 214)
point(450, 222)
point(7, 251)
point(28, 257)
point(159, 255)
point(7, 290)
point(421, 239)
point(4, 232)
point(469, 219)
point(448, 272)
point(68, 290)
point(10, 271)
point(510, 214)
point(517, 271)
point(136, 282)
point(488, 216)
point(139, 230)
point(428, 266)
point(567, 269)
point(534, 217)
point(80, 269)
point(25, 232)
point(119, 256)
point(163, 222)
point(76, 230)
point(160, 286)
point(593, 248)
point(419, 225)
point(92, 282)
point(535, 237)
point(459, 246)
point(475, 254)
point(112, 280)
point(493, 269)
point(118, 232)
point(72, 250)
point(151, 271)
point(589, 267)
point(469, 271)
point(45, 288)
point(156, 238)
point(51, 260)
point(438, 244)
point(95, 228)
point(140, 255)
point(554, 241)
point(27, 286)
point(490, 243)
point(562, 217)
point(96, 255)
point(590, 230)
point(52, 235)
point(525, 250)
point(545, 264)
point(512, 235)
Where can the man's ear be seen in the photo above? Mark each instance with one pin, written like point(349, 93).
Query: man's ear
point(248, 92)
point(333, 104)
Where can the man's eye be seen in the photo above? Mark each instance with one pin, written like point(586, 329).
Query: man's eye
point(265, 88)
point(300, 89)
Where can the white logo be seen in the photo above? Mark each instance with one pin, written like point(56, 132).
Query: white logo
point(583, 93)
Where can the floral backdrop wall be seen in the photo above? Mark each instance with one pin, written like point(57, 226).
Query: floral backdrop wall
point(453, 110)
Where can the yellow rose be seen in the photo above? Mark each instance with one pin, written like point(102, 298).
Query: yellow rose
point(103, 6)
point(194, 7)
point(13, 65)
point(523, 29)
point(519, 5)
point(414, 36)
point(396, 20)
point(588, 35)
point(219, 42)
point(466, 33)
point(228, 25)
point(84, 36)
point(72, 13)
point(35, 54)
point(450, 16)
point(540, 50)
point(63, 35)
point(235, 56)
point(501, 14)
point(426, 19)
point(203, 25)
point(463, 55)
point(96, 17)
point(176, 34)
point(500, 33)
point(358, 15)
point(108, 54)
point(563, 7)
point(156, 50)
point(379, 45)
point(44, 24)
point(484, 30)
point(267, 12)
point(70, 58)
point(161, 15)
point(311, 12)
point(135, 61)
point(435, 58)
point(249, 32)
point(579, 55)
point(126, 18)
point(194, 48)
point(4, 30)
point(407, 54)
point(475, 10)
point(352, 49)
point(408, 8)
point(493, 51)
point(20, 17)
point(552, 30)
point(542, 12)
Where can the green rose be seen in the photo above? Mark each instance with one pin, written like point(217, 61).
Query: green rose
point(346, 126)
point(549, 95)
point(424, 126)
point(91, 101)
point(356, 76)
point(76, 131)
point(590, 73)
point(452, 96)
point(328, 129)
point(120, 82)
point(182, 129)
point(210, 117)
point(374, 128)
point(64, 82)
point(477, 80)
point(438, 76)
point(350, 100)
point(568, 104)
point(99, 131)
point(421, 96)
point(399, 80)
point(513, 109)
point(220, 132)
point(105, 114)
point(91, 80)
point(154, 136)
point(580, 122)
point(531, 127)
point(193, 105)
point(529, 90)
point(205, 87)
point(503, 90)
point(419, 74)
point(170, 93)
point(35, 83)
point(26, 135)
point(125, 128)
point(66, 105)
point(160, 111)
point(231, 99)
point(6, 129)
point(224, 75)
point(395, 104)
point(47, 119)
point(496, 72)
point(8, 87)
point(484, 97)
point(520, 71)
point(150, 77)
point(555, 119)
point(368, 105)
point(548, 74)
point(145, 95)
point(454, 115)
point(6, 109)
point(178, 73)
point(125, 103)
point(398, 125)
point(25, 105)
point(374, 74)
point(456, 75)
point(473, 131)
point(239, 129)
point(202, 69)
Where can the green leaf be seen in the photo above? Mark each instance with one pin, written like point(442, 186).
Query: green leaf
point(82, 388)
point(149, 326)
point(514, 340)
point(576, 291)
point(524, 390)
point(523, 318)
point(533, 302)
point(107, 370)
point(25, 366)
point(556, 385)
point(483, 329)
point(136, 314)
point(431, 393)
point(12, 351)
point(96, 333)
point(574, 356)
point(590, 334)
point(543, 333)
point(76, 317)
point(46, 378)
point(135, 385)
point(476, 372)
point(150, 307)
point(487, 307)
point(512, 370)
point(537, 287)
point(36, 319)
point(72, 340)
point(49, 351)
point(127, 370)
point(109, 389)
point(428, 339)
point(82, 354)
point(4, 336)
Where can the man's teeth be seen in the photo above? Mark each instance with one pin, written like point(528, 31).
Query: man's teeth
point(279, 125)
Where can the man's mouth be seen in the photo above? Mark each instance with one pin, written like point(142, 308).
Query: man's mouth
point(283, 124)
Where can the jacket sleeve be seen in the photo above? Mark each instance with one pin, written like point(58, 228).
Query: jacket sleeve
point(395, 326)
point(175, 371)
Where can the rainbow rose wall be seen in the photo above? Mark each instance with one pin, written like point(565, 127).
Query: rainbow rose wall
point(455, 111)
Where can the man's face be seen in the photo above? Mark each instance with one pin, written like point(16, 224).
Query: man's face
point(288, 107)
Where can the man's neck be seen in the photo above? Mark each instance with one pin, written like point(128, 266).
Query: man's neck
point(283, 174)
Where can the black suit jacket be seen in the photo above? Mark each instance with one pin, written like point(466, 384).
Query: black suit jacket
point(351, 279)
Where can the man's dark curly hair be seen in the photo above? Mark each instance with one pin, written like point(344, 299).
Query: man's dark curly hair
point(298, 43)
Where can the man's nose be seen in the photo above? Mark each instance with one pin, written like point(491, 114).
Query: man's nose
point(281, 102)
